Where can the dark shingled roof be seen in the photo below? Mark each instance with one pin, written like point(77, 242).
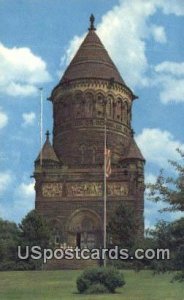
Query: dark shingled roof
point(134, 151)
point(47, 152)
point(92, 61)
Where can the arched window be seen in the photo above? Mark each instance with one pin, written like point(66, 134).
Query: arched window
point(119, 109)
point(100, 105)
point(114, 109)
point(89, 105)
point(109, 108)
point(125, 112)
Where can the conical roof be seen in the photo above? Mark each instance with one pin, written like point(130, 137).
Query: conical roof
point(47, 151)
point(134, 151)
point(92, 61)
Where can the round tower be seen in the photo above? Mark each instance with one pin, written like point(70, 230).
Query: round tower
point(90, 93)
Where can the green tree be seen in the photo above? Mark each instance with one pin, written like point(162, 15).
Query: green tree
point(35, 230)
point(122, 226)
point(170, 190)
point(170, 236)
point(9, 240)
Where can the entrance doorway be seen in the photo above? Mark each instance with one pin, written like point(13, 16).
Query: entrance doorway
point(84, 229)
point(85, 240)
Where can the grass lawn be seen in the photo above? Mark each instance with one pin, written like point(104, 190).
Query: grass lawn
point(57, 285)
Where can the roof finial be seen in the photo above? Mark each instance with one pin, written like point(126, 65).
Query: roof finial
point(47, 135)
point(92, 20)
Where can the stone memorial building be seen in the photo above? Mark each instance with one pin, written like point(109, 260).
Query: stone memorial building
point(69, 176)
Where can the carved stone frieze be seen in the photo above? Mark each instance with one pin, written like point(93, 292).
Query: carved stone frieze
point(52, 189)
point(80, 189)
point(84, 189)
point(117, 189)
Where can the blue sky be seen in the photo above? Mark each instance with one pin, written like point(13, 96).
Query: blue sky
point(37, 41)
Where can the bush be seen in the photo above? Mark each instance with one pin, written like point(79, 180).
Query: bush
point(7, 265)
point(10, 265)
point(15, 266)
point(178, 277)
point(97, 288)
point(82, 284)
point(110, 278)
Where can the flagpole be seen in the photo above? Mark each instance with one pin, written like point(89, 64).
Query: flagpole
point(41, 123)
point(105, 191)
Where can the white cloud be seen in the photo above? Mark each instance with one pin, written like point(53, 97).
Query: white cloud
point(170, 77)
point(24, 198)
point(173, 7)
point(172, 90)
point(26, 190)
point(5, 180)
point(28, 118)
point(3, 119)
point(21, 71)
point(21, 202)
point(20, 89)
point(173, 68)
point(158, 146)
point(124, 31)
point(159, 34)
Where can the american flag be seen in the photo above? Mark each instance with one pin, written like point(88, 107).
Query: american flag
point(108, 162)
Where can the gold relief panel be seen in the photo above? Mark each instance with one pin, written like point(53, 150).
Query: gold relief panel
point(89, 189)
point(52, 189)
point(117, 189)
point(93, 189)
point(84, 189)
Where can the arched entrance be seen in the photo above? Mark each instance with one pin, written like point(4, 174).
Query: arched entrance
point(84, 229)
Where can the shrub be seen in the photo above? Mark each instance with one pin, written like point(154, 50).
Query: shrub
point(178, 277)
point(110, 278)
point(82, 284)
point(97, 288)
point(7, 265)
point(17, 266)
